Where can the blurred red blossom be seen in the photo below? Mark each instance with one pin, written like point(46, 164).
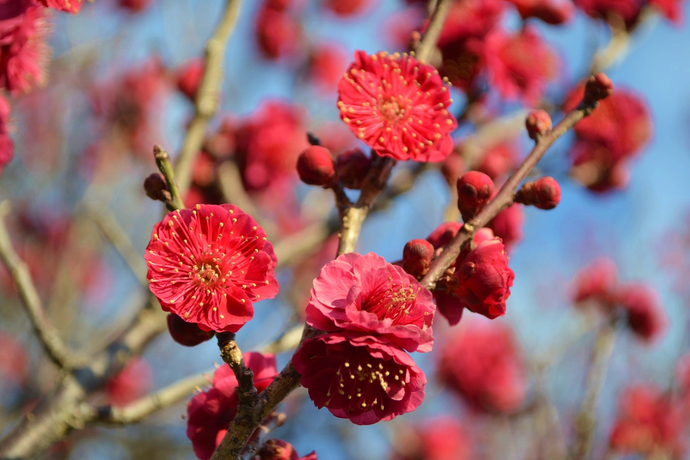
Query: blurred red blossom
point(649, 423)
point(133, 382)
point(365, 293)
point(209, 264)
point(188, 77)
point(348, 7)
point(69, 6)
point(23, 49)
point(277, 31)
point(499, 159)
point(508, 224)
point(482, 363)
point(134, 6)
point(358, 377)
point(408, 120)
point(6, 143)
point(326, 65)
point(644, 314)
point(210, 412)
point(519, 66)
point(438, 438)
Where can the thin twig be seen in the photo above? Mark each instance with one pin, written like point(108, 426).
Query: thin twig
point(208, 95)
point(433, 32)
point(165, 167)
point(503, 199)
point(585, 423)
point(56, 349)
point(119, 239)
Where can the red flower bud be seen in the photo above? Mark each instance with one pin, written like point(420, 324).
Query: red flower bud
point(156, 188)
point(543, 193)
point(538, 123)
point(187, 334)
point(352, 167)
point(417, 256)
point(315, 166)
point(443, 234)
point(598, 87)
point(645, 315)
point(474, 191)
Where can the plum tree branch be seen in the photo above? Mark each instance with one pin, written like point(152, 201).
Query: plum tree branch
point(208, 95)
point(56, 349)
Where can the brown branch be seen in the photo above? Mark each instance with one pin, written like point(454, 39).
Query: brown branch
point(585, 423)
point(433, 32)
point(56, 349)
point(144, 407)
point(232, 355)
point(503, 199)
point(165, 167)
point(208, 95)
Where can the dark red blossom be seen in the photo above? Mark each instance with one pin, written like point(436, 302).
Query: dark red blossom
point(470, 18)
point(347, 7)
point(367, 294)
point(484, 279)
point(644, 313)
point(519, 66)
point(210, 412)
point(358, 377)
point(6, 143)
point(648, 422)
point(398, 106)
point(482, 364)
point(277, 32)
point(627, 10)
point(23, 48)
point(552, 12)
point(670, 9)
point(134, 6)
point(208, 265)
point(442, 235)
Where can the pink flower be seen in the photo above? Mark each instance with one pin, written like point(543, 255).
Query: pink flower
point(209, 264)
point(367, 294)
point(519, 66)
point(439, 438)
point(210, 412)
point(69, 6)
point(482, 364)
point(133, 382)
point(648, 422)
point(23, 48)
point(359, 377)
point(484, 279)
point(645, 316)
point(398, 106)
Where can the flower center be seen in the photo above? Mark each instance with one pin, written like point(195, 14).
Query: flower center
point(207, 273)
point(394, 303)
point(392, 110)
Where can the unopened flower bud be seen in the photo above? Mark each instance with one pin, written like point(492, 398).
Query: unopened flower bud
point(474, 191)
point(156, 188)
point(315, 166)
point(598, 87)
point(276, 449)
point(352, 167)
point(543, 193)
point(187, 334)
point(452, 168)
point(417, 256)
point(538, 123)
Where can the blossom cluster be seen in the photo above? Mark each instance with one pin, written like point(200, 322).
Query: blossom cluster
point(637, 303)
point(372, 312)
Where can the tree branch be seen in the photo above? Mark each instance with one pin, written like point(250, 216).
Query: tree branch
point(165, 167)
point(56, 349)
point(208, 95)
